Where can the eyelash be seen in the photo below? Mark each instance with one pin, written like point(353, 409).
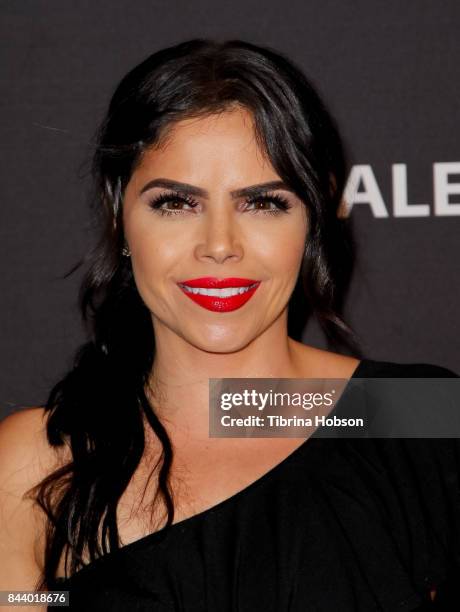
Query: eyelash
point(282, 203)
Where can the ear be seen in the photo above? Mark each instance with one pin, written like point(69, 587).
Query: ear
point(342, 210)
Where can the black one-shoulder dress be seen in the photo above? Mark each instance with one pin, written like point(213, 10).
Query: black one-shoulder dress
point(340, 525)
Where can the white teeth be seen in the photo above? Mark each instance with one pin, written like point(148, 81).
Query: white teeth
point(227, 292)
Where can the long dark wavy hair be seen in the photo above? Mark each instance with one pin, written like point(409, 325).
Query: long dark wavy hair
point(100, 408)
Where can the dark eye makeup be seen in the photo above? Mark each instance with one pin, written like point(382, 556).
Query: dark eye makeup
point(178, 199)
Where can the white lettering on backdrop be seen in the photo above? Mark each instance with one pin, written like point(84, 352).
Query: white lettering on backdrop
point(362, 188)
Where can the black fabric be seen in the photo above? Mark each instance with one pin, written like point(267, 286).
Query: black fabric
point(339, 525)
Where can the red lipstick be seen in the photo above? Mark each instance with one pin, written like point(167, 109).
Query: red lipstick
point(219, 295)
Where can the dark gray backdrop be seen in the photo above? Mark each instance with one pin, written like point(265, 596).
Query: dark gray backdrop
point(389, 71)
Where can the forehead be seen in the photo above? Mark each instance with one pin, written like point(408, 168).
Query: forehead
point(212, 141)
point(235, 119)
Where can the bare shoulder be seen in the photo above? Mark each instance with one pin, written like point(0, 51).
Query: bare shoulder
point(26, 459)
point(23, 421)
point(26, 454)
point(319, 363)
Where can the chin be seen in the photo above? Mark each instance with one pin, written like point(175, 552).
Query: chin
point(221, 341)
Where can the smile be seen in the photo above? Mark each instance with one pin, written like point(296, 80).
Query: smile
point(219, 295)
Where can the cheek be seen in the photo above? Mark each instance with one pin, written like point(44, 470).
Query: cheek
point(153, 258)
point(282, 249)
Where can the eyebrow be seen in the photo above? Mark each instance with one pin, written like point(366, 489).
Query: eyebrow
point(253, 190)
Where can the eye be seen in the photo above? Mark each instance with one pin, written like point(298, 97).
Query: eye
point(177, 203)
point(176, 200)
point(280, 204)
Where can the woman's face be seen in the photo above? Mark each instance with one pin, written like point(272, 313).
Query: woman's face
point(204, 228)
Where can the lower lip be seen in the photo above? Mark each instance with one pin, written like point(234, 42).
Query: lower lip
point(221, 304)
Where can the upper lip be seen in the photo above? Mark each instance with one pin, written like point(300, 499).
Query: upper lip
point(210, 282)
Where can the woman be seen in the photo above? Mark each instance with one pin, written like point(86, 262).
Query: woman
point(218, 166)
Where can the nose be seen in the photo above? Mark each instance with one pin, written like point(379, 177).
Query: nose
point(219, 237)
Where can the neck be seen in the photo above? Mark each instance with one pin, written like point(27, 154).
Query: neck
point(179, 383)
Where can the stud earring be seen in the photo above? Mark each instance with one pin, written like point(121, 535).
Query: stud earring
point(126, 252)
